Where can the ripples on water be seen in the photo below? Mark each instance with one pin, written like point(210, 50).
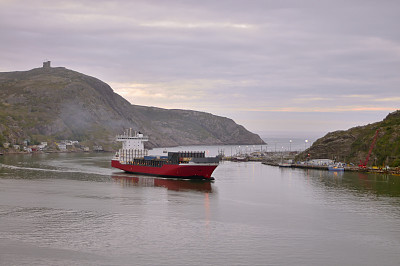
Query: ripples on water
point(64, 209)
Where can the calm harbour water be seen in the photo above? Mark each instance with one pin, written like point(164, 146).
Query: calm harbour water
point(73, 209)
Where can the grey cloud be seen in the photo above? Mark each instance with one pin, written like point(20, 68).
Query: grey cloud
point(270, 52)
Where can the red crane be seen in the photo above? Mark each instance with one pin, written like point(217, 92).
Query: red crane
point(364, 164)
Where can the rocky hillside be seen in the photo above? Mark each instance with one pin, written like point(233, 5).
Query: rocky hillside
point(50, 104)
point(353, 145)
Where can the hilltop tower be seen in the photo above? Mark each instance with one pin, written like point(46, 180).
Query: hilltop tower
point(46, 64)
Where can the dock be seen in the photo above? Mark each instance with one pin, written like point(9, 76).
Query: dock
point(394, 171)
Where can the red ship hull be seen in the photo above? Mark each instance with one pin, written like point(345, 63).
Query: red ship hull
point(190, 171)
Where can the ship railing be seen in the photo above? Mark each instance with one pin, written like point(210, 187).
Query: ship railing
point(206, 160)
point(126, 137)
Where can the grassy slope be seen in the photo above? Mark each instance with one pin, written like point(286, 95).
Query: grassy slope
point(353, 145)
point(57, 103)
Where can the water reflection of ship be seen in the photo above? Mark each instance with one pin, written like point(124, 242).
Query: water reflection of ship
point(170, 184)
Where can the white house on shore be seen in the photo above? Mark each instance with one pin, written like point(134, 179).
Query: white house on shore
point(42, 145)
point(62, 146)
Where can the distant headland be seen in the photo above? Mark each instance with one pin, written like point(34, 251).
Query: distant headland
point(55, 104)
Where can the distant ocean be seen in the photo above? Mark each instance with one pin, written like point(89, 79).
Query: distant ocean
point(288, 144)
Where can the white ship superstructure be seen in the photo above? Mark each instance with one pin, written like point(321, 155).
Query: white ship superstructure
point(132, 146)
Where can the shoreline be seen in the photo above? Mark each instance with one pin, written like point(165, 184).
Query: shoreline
point(346, 169)
point(43, 152)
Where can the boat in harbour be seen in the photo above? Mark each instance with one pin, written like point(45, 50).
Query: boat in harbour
point(134, 158)
point(240, 158)
point(285, 164)
point(336, 167)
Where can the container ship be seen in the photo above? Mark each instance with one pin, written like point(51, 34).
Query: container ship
point(134, 158)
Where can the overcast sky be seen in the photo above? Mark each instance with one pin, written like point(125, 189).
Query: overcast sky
point(288, 68)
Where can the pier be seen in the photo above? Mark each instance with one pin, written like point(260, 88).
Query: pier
point(276, 158)
point(393, 171)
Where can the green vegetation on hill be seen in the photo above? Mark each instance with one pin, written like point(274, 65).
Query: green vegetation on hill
point(353, 145)
point(52, 104)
